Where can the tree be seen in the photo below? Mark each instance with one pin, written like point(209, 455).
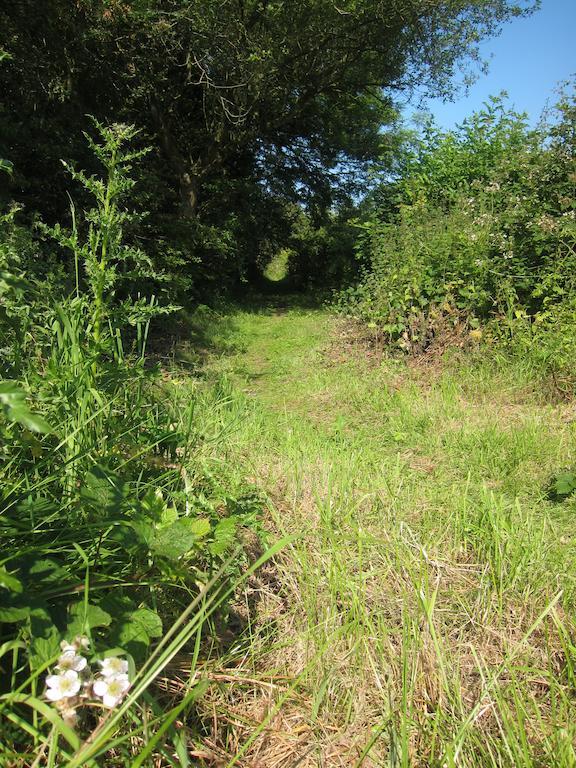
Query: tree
point(286, 96)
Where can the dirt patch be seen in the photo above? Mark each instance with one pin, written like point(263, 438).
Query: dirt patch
point(353, 341)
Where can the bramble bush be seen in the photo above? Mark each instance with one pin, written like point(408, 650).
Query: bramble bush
point(481, 235)
point(113, 528)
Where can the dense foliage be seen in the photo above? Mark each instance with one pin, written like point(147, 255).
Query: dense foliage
point(478, 231)
point(250, 107)
point(111, 521)
point(216, 138)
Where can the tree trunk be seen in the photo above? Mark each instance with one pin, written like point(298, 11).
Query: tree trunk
point(187, 179)
point(188, 194)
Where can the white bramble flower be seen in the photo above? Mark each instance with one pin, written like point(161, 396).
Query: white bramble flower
point(80, 641)
point(111, 689)
point(62, 686)
point(114, 666)
point(71, 660)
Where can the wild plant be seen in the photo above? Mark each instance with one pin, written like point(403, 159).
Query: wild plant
point(109, 525)
point(482, 238)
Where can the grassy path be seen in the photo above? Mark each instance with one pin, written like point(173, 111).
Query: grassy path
point(423, 614)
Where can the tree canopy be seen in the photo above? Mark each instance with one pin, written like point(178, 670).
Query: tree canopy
point(249, 105)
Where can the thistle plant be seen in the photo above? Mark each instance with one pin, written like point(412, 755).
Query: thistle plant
point(88, 330)
point(100, 248)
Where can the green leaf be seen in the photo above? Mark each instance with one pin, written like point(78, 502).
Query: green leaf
point(13, 400)
point(103, 490)
point(200, 526)
point(46, 571)
point(134, 631)
point(10, 614)
point(11, 392)
point(565, 484)
point(177, 539)
point(85, 618)
point(44, 649)
point(224, 535)
point(5, 165)
point(45, 643)
point(168, 516)
point(26, 418)
point(154, 505)
point(10, 582)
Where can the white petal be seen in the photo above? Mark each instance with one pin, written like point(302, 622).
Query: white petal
point(114, 666)
point(119, 685)
point(110, 701)
point(71, 660)
point(79, 663)
point(100, 687)
point(54, 694)
point(53, 681)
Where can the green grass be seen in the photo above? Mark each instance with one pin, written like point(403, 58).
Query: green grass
point(423, 614)
point(277, 269)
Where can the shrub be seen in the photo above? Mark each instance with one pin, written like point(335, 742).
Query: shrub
point(482, 233)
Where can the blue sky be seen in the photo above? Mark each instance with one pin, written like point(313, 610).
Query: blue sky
point(528, 60)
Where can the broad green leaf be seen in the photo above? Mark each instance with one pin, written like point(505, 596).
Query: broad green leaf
point(10, 582)
point(168, 516)
point(11, 392)
point(86, 618)
point(154, 505)
point(13, 400)
point(45, 643)
point(117, 605)
point(26, 418)
point(44, 649)
point(565, 484)
point(224, 534)
point(11, 614)
point(103, 490)
point(134, 631)
point(46, 571)
point(179, 538)
point(200, 526)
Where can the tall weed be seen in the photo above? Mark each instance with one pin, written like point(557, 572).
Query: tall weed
point(111, 524)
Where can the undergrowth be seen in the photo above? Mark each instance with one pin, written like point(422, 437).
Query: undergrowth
point(120, 529)
point(474, 240)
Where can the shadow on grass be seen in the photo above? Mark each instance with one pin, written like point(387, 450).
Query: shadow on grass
point(203, 331)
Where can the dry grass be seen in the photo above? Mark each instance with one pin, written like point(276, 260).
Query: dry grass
point(423, 614)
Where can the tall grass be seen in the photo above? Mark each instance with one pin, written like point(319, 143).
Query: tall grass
point(117, 520)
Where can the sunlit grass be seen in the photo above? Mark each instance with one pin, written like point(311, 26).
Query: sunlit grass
point(426, 604)
point(277, 269)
